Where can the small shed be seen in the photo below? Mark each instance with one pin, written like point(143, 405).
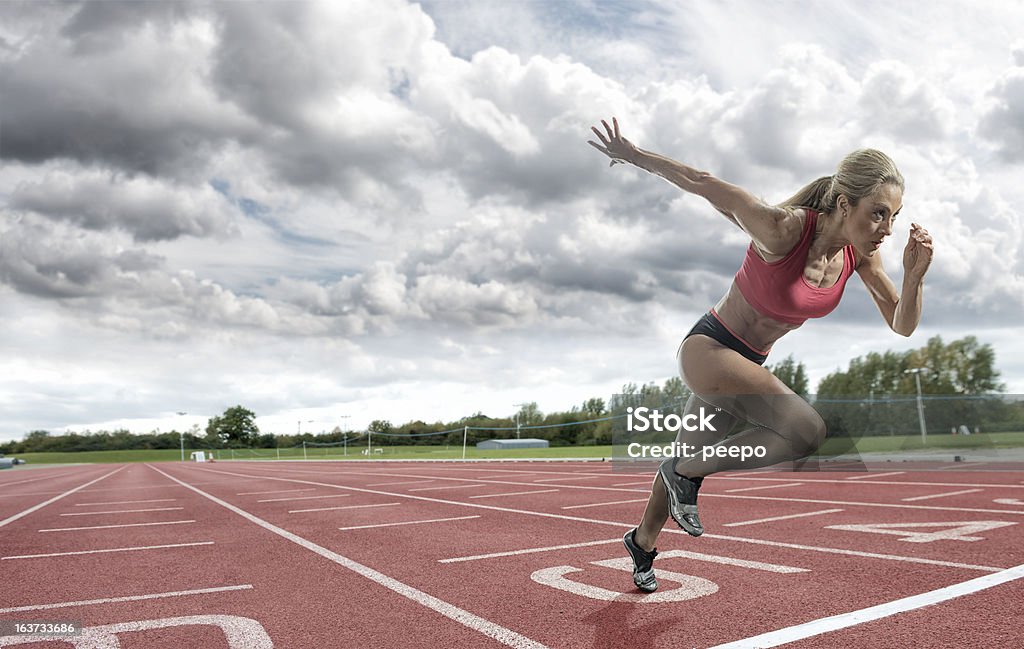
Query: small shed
point(198, 456)
point(492, 444)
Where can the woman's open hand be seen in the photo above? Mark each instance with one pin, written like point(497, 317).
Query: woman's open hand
point(616, 147)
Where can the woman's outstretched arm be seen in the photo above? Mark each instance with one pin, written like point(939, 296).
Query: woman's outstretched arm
point(773, 229)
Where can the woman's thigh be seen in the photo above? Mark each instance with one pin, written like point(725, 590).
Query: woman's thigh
point(722, 420)
point(722, 378)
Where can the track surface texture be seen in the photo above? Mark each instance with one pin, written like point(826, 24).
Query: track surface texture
point(506, 554)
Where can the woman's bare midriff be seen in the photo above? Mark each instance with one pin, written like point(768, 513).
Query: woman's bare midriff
point(758, 330)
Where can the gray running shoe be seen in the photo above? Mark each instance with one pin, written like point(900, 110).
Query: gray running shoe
point(682, 497)
point(643, 563)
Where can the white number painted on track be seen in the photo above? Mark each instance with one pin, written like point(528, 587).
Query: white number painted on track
point(240, 632)
point(690, 587)
point(1008, 501)
point(950, 531)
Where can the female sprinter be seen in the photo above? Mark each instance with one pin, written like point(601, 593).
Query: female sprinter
point(801, 254)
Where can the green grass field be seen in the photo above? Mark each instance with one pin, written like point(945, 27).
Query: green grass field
point(894, 444)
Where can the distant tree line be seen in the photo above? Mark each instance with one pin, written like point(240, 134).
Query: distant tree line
point(959, 386)
point(876, 394)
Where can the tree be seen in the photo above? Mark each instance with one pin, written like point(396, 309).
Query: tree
point(380, 426)
point(870, 397)
point(962, 367)
point(593, 408)
point(529, 414)
point(236, 426)
point(793, 374)
point(675, 391)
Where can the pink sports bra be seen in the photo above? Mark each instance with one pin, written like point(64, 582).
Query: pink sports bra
point(779, 289)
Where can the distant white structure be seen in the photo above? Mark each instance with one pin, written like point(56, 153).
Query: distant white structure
point(527, 442)
point(199, 456)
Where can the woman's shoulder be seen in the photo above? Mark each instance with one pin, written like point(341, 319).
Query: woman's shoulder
point(806, 214)
point(792, 231)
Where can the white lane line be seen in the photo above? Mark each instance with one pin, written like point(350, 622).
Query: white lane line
point(849, 553)
point(11, 519)
point(646, 483)
point(770, 486)
point(276, 491)
point(331, 509)
point(853, 618)
point(897, 483)
point(45, 477)
point(730, 561)
point(279, 500)
point(716, 477)
point(864, 504)
point(874, 475)
point(951, 493)
point(429, 520)
point(1008, 501)
point(126, 511)
point(961, 465)
point(782, 518)
point(578, 507)
point(486, 627)
point(129, 598)
point(593, 477)
point(515, 553)
point(36, 508)
point(392, 484)
point(141, 547)
point(107, 527)
point(459, 486)
point(613, 502)
point(626, 526)
point(515, 493)
point(31, 493)
point(128, 502)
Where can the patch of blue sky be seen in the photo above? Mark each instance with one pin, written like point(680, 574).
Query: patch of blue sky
point(263, 214)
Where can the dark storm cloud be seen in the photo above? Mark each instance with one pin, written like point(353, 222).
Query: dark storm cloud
point(148, 210)
point(89, 83)
point(37, 261)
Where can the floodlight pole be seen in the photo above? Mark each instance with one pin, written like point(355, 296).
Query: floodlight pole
point(308, 421)
point(518, 423)
point(920, 404)
point(344, 432)
point(181, 436)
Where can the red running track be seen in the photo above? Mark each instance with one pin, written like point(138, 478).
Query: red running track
point(388, 554)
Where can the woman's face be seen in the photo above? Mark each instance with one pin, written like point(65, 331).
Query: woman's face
point(871, 221)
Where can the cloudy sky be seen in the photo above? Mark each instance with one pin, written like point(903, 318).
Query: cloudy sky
point(333, 212)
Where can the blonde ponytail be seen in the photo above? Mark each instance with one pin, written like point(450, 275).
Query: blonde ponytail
point(859, 174)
